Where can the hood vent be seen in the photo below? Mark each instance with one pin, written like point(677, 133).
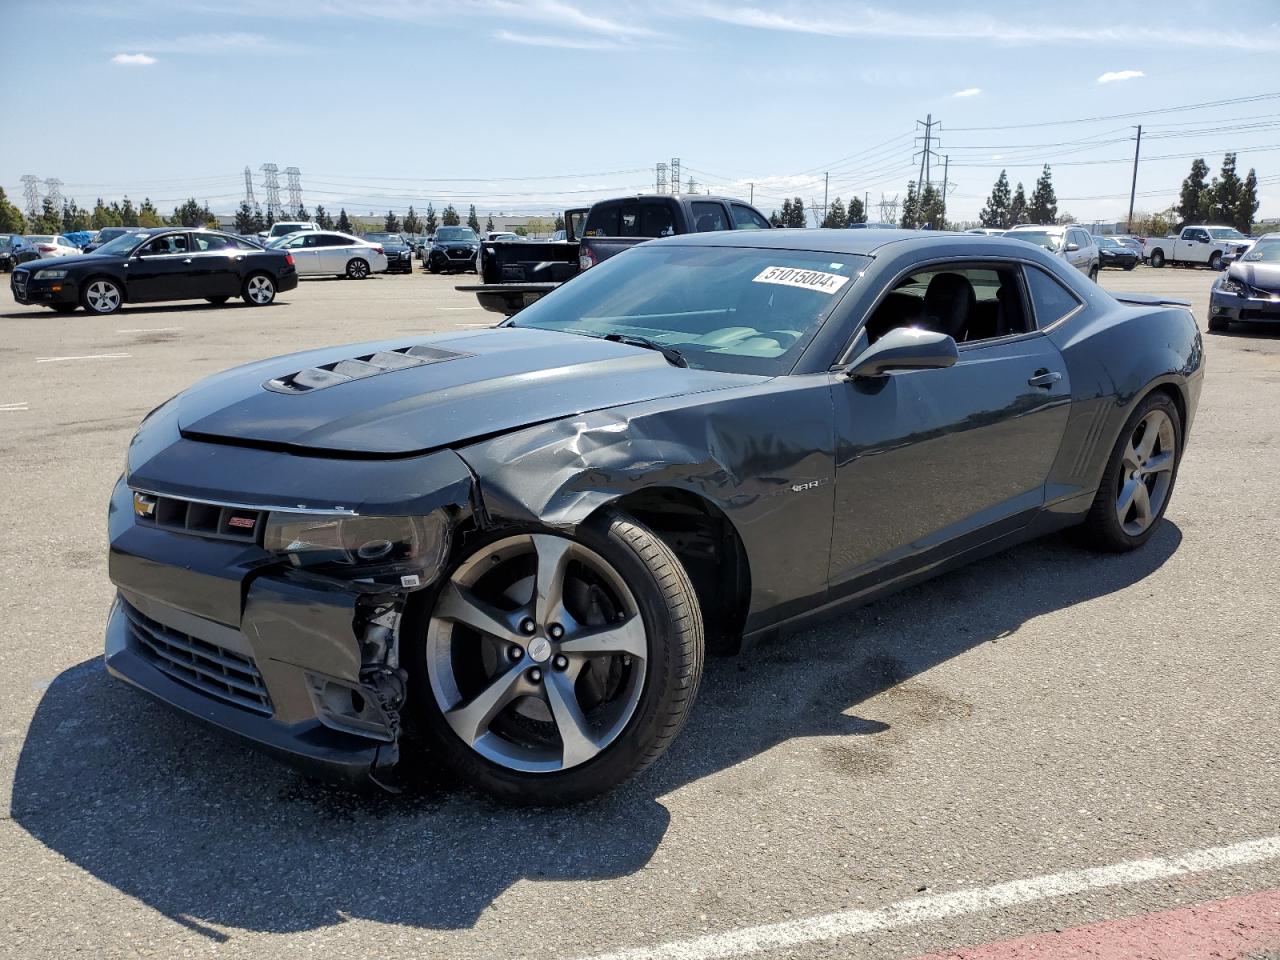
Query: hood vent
point(357, 368)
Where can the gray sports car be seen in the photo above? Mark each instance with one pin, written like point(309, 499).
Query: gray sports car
point(523, 539)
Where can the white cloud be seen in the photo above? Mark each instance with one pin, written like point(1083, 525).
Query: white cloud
point(843, 19)
point(1111, 76)
point(968, 92)
point(133, 59)
point(564, 43)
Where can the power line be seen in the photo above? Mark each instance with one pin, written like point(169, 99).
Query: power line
point(1124, 116)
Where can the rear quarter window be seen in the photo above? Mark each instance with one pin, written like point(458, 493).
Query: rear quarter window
point(603, 221)
point(1050, 299)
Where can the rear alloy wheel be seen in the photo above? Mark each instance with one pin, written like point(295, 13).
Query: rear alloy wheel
point(259, 290)
point(1157, 259)
point(1215, 261)
point(1139, 478)
point(557, 667)
point(358, 269)
point(101, 296)
point(1093, 274)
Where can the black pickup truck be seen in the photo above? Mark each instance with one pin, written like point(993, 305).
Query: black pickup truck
point(514, 275)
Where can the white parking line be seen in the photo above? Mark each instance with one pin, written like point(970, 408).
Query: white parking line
point(145, 329)
point(19, 406)
point(794, 933)
point(91, 356)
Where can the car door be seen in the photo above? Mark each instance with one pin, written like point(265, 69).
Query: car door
point(215, 259)
point(163, 269)
point(305, 250)
point(930, 463)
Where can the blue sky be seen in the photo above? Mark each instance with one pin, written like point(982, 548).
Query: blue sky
point(535, 105)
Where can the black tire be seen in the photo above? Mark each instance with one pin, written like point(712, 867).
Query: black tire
point(259, 289)
point(1157, 258)
point(101, 296)
point(1130, 266)
point(1219, 324)
point(217, 301)
point(431, 267)
point(65, 307)
point(668, 609)
point(1215, 261)
point(1102, 529)
point(357, 269)
point(1093, 274)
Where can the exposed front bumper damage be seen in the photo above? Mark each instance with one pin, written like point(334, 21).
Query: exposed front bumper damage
point(302, 665)
point(1259, 307)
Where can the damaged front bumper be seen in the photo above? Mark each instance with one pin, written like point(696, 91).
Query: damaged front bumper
point(302, 664)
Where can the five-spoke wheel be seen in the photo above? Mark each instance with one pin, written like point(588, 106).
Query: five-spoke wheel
point(101, 296)
point(556, 666)
point(259, 290)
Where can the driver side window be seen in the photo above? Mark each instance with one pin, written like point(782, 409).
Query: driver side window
point(967, 303)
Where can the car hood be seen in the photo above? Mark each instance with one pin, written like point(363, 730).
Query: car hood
point(61, 263)
point(474, 385)
point(1264, 276)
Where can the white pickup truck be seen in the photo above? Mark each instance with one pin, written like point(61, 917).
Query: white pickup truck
point(1195, 245)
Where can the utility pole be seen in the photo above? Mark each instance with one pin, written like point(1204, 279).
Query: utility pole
point(752, 201)
point(946, 168)
point(826, 182)
point(249, 198)
point(1133, 186)
point(866, 205)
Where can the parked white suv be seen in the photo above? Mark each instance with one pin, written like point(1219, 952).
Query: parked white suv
point(1205, 245)
point(284, 228)
point(321, 253)
point(1073, 244)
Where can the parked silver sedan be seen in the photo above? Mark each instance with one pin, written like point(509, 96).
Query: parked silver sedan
point(322, 253)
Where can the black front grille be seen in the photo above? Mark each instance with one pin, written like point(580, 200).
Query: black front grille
point(200, 519)
point(462, 254)
point(207, 667)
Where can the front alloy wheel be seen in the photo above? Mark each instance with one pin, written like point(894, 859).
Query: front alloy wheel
point(556, 667)
point(101, 296)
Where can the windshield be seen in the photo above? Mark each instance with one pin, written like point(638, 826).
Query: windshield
point(1264, 251)
point(121, 245)
point(735, 309)
point(455, 233)
point(1041, 238)
point(281, 229)
point(42, 238)
point(1106, 242)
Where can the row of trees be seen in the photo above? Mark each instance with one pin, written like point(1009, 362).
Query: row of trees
point(838, 215)
point(72, 217)
point(1227, 200)
point(1006, 209)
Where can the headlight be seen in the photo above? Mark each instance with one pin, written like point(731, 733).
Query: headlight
point(49, 274)
point(1231, 285)
point(358, 543)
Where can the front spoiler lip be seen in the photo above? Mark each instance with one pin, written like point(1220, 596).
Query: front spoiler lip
point(310, 746)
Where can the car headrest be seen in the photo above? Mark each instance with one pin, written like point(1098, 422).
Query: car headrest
point(948, 304)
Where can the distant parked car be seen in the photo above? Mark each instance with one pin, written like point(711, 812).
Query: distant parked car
point(166, 264)
point(452, 250)
point(1113, 253)
point(286, 227)
point(398, 251)
point(874, 226)
point(1130, 241)
point(107, 234)
point(321, 253)
point(501, 235)
point(1072, 244)
point(11, 245)
point(52, 245)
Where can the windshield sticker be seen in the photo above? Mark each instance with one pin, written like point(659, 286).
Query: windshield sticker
point(827, 283)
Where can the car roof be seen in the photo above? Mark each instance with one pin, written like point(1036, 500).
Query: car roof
point(865, 242)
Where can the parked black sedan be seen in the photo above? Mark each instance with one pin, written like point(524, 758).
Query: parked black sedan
point(1113, 253)
point(160, 264)
point(452, 250)
point(528, 535)
point(399, 251)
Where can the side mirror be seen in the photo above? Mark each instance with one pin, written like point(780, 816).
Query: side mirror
point(1071, 247)
point(905, 348)
point(1229, 258)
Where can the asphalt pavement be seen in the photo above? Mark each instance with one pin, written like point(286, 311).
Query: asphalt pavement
point(1044, 712)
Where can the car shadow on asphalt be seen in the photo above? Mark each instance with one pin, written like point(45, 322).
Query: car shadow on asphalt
point(133, 311)
point(217, 837)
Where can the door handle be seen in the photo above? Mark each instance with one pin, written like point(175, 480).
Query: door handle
point(188, 260)
point(1045, 378)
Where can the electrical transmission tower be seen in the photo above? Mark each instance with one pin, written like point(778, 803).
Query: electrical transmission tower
point(888, 209)
point(53, 190)
point(660, 185)
point(249, 198)
point(929, 151)
point(31, 194)
point(271, 184)
point(675, 175)
point(692, 186)
point(294, 188)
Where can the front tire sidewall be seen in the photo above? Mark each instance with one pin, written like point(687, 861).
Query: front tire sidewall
point(673, 624)
point(84, 296)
